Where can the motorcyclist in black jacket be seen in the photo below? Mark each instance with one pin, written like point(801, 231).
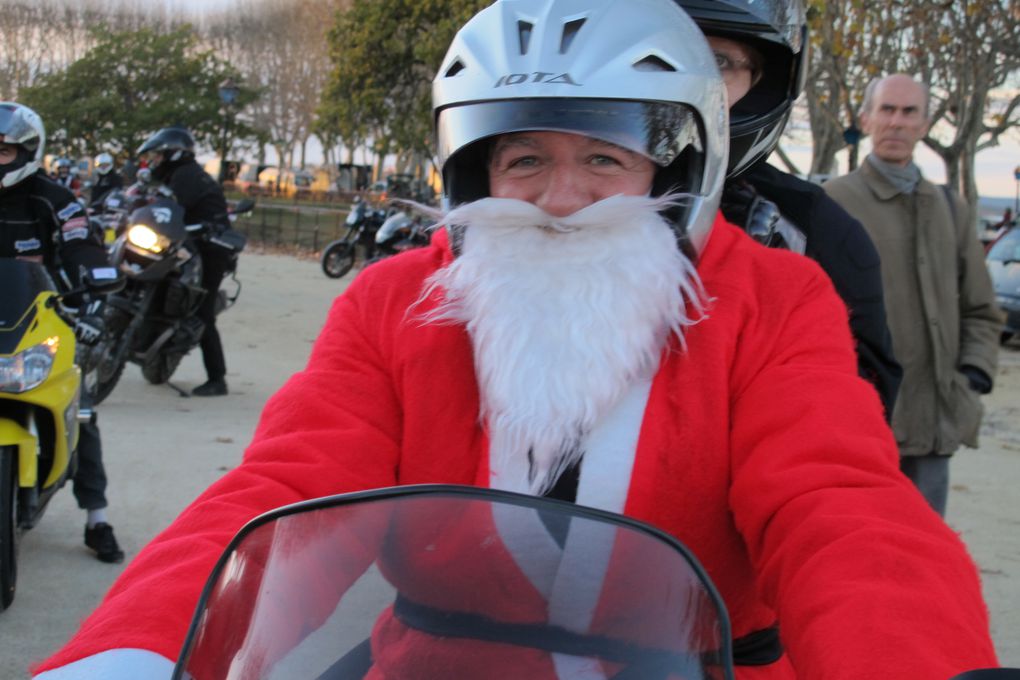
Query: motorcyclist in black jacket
point(761, 49)
point(41, 221)
point(170, 155)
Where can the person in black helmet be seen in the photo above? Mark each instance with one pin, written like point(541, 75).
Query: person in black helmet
point(760, 49)
point(41, 221)
point(170, 154)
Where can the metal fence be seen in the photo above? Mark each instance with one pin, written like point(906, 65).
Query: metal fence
point(306, 227)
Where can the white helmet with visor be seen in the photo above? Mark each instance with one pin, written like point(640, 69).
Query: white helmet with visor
point(636, 73)
point(104, 163)
point(22, 127)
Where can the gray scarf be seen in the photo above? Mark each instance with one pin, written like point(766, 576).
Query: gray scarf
point(903, 177)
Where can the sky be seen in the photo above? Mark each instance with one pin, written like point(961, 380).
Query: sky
point(197, 5)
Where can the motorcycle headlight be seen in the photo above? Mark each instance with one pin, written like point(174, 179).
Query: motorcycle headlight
point(146, 238)
point(29, 368)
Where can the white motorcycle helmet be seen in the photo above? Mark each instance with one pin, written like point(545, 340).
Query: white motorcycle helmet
point(636, 73)
point(21, 126)
point(104, 163)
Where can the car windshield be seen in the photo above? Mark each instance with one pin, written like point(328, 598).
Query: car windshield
point(1007, 248)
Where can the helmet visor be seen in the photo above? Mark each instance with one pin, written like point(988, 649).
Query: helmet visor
point(14, 129)
point(657, 130)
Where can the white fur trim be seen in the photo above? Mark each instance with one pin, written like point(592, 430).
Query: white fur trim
point(527, 540)
point(114, 664)
point(610, 450)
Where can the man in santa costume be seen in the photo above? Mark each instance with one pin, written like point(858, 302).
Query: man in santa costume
point(587, 327)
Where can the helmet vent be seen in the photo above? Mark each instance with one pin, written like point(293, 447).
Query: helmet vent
point(653, 63)
point(455, 68)
point(524, 34)
point(570, 30)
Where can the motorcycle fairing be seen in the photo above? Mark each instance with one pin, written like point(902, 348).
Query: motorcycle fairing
point(28, 292)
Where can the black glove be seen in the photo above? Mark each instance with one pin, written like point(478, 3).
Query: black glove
point(89, 328)
point(978, 379)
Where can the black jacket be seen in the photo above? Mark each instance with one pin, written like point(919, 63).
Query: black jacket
point(40, 219)
point(844, 250)
point(199, 194)
point(104, 185)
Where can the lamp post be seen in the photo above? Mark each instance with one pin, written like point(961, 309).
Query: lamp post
point(1016, 201)
point(228, 91)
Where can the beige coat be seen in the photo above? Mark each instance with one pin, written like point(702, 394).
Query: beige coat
point(940, 302)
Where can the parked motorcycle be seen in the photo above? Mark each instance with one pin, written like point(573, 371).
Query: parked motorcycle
point(401, 231)
point(441, 581)
point(152, 321)
point(362, 223)
point(40, 387)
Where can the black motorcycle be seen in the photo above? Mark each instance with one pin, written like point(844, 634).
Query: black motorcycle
point(362, 224)
point(152, 322)
point(402, 230)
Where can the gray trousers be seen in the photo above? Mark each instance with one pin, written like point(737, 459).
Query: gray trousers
point(930, 474)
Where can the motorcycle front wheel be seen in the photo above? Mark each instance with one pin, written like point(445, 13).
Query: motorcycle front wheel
point(159, 369)
point(8, 525)
point(338, 259)
point(111, 356)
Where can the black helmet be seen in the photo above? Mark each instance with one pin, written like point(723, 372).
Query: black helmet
point(166, 149)
point(778, 30)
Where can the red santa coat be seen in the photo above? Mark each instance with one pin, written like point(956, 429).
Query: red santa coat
point(760, 449)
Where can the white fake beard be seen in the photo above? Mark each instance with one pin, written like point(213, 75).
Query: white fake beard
point(564, 315)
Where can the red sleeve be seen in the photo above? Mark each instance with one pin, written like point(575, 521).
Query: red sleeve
point(332, 428)
point(868, 581)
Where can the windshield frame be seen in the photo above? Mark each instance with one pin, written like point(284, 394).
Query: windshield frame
point(472, 493)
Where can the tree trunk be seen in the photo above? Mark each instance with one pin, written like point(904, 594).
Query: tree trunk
point(968, 182)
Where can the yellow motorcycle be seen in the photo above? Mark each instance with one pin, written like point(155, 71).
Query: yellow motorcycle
point(39, 413)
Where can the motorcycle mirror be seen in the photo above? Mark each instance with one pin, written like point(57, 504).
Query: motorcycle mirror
point(243, 206)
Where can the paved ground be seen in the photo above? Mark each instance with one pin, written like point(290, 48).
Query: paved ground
point(162, 450)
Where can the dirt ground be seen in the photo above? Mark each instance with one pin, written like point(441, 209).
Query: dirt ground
point(162, 450)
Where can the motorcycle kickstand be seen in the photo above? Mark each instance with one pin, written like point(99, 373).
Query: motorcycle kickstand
point(180, 390)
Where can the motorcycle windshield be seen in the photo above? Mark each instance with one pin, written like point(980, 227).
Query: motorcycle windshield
point(356, 215)
point(21, 283)
point(455, 582)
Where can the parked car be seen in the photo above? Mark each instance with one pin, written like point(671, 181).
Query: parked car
point(1003, 261)
point(987, 231)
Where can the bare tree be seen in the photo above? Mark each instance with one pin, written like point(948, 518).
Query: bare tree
point(852, 42)
point(282, 50)
point(42, 36)
point(967, 49)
